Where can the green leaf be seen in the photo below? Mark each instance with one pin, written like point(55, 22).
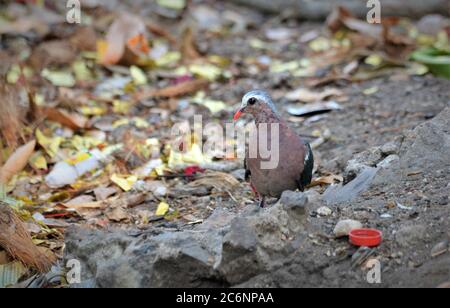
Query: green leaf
point(438, 61)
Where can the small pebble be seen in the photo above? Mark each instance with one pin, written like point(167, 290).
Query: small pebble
point(324, 211)
point(344, 227)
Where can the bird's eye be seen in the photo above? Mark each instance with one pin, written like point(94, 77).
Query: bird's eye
point(252, 101)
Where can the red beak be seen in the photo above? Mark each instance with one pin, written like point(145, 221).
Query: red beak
point(238, 115)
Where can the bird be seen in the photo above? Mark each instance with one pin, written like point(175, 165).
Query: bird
point(296, 160)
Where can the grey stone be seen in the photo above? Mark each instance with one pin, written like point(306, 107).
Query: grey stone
point(392, 147)
point(121, 259)
point(294, 202)
point(388, 161)
point(344, 227)
point(428, 145)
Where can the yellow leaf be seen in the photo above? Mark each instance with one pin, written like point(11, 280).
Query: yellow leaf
point(162, 210)
point(121, 106)
point(81, 71)
point(140, 123)
point(208, 71)
point(125, 183)
point(59, 78)
point(78, 158)
point(93, 111)
point(121, 122)
point(193, 156)
point(138, 76)
point(38, 161)
point(51, 145)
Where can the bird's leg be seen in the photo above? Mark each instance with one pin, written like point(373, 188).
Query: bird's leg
point(262, 203)
point(254, 190)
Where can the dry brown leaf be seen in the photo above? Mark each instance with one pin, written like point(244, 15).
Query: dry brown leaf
point(73, 121)
point(84, 39)
point(85, 205)
point(129, 30)
point(175, 91)
point(129, 200)
point(17, 161)
point(326, 180)
point(117, 214)
point(52, 53)
point(188, 48)
point(160, 31)
point(309, 96)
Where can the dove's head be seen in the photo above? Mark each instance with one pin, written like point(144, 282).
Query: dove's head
point(256, 103)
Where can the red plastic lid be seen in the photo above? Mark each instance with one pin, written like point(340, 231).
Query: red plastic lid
point(366, 237)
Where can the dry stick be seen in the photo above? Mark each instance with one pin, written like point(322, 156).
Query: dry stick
point(16, 240)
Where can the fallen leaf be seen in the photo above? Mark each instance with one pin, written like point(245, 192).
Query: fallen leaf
point(71, 120)
point(38, 161)
point(51, 145)
point(188, 47)
point(162, 210)
point(17, 161)
point(138, 76)
point(172, 4)
point(327, 180)
point(206, 71)
point(103, 193)
point(127, 32)
point(117, 215)
point(59, 78)
point(125, 183)
point(175, 91)
point(308, 96)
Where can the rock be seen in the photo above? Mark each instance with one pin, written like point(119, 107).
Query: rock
point(123, 259)
point(224, 251)
point(428, 145)
point(339, 193)
point(240, 261)
point(324, 211)
point(392, 147)
point(294, 201)
point(410, 235)
point(440, 249)
point(344, 227)
point(388, 161)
